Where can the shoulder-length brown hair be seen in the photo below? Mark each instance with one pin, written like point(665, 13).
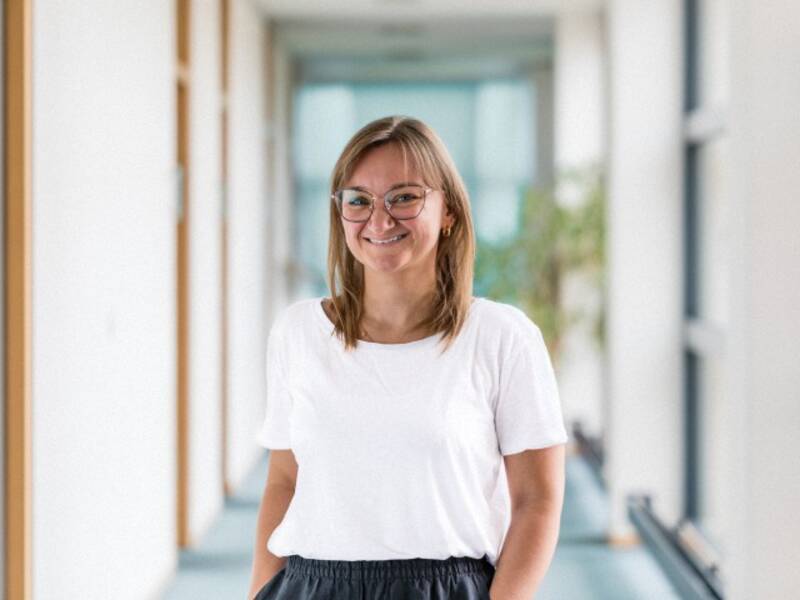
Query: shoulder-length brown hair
point(455, 254)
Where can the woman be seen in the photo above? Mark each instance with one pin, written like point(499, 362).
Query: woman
point(417, 442)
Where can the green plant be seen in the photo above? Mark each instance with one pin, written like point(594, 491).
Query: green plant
point(528, 268)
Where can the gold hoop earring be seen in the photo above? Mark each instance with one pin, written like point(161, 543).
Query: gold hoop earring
point(446, 231)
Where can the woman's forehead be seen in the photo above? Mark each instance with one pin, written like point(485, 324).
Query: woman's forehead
point(382, 167)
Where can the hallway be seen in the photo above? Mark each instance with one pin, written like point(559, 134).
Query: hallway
point(584, 568)
point(631, 171)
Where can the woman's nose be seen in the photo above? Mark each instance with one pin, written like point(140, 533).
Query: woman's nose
point(380, 219)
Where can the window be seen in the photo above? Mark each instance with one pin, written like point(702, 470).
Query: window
point(706, 274)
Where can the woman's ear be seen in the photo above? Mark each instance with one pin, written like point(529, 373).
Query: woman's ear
point(449, 217)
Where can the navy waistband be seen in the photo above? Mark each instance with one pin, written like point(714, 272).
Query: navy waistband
point(404, 567)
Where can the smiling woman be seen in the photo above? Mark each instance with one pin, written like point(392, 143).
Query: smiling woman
point(396, 238)
point(432, 418)
point(431, 259)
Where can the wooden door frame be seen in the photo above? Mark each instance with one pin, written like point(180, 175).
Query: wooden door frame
point(183, 20)
point(225, 11)
point(17, 132)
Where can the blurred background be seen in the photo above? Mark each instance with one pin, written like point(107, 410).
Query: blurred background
point(633, 170)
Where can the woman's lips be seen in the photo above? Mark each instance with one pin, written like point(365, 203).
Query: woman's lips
point(387, 241)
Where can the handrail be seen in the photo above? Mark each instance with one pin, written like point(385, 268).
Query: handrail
point(591, 448)
point(694, 581)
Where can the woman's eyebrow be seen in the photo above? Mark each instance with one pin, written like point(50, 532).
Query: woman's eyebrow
point(394, 186)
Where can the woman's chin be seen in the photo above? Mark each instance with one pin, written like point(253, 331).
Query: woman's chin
point(387, 265)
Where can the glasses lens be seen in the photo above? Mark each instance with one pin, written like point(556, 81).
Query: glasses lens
point(355, 205)
point(406, 202)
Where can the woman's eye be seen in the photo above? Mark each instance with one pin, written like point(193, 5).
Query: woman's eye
point(359, 201)
point(403, 198)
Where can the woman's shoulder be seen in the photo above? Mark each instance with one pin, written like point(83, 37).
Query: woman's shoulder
point(506, 323)
point(295, 314)
point(503, 316)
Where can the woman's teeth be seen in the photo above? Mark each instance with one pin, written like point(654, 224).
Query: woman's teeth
point(389, 241)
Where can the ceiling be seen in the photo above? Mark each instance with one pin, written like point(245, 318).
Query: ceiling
point(442, 49)
point(407, 40)
point(415, 10)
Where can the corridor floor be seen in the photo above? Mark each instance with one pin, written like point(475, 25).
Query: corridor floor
point(584, 567)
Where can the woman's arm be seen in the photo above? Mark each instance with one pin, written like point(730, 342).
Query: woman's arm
point(536, 487)
point(278, 493)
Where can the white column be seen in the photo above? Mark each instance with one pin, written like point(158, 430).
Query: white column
point(204, 282)
point(764, 346)
point(644, 253)
point(281, 216)
point(247, 217)
point(580, 60)
point(104, 319)
point(579, 111)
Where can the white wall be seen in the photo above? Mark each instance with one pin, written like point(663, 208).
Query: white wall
point(103, 298)
point(247, 228)
point(764, 347)
point(579, 144)
point(104, 285)
point(205, 496)
point(579, 64)
point(644, 254)
point(280, 201)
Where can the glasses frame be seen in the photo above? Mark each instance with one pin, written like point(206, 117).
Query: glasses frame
point(336, 197)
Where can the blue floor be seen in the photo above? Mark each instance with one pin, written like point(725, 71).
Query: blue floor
point(584, 567)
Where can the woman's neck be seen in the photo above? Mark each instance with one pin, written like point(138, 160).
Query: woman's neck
point(394, 311)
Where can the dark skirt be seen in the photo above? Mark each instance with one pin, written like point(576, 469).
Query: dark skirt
point(454, 578)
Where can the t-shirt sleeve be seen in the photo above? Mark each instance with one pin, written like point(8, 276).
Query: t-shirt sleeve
point(528, 411)
point(274, 432)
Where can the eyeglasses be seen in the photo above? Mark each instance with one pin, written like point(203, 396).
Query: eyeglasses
point(402, 202)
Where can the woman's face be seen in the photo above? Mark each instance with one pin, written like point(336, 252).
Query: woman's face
point(377, 171)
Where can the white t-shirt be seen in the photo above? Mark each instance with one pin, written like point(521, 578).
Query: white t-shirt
point(399, 450)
